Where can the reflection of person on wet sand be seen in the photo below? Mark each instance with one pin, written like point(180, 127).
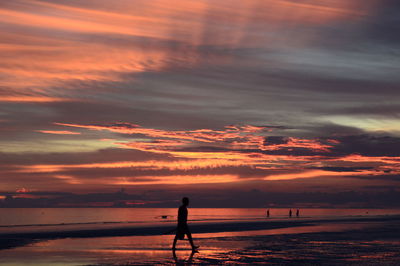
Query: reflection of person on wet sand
point(182, 228)
point(183, 262)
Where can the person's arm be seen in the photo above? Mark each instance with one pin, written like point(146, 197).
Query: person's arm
point(185, 215)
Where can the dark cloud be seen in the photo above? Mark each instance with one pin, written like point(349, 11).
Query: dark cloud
point(275, 140)
point(256, 198)
point(379, 110)
point(330, 129)
point(43, 199)
point(343, 169)
point(363, 144)
point(382, 178)
point(384, 26)
point(101, 156)
point(367, 145)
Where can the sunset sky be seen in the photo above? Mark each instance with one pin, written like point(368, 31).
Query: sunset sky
point(232, 101)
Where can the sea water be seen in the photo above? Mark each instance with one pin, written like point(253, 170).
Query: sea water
point(16, 217)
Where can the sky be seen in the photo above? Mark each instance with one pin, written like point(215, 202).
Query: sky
point(233, 103)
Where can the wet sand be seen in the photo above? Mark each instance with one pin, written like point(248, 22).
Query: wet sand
point(355, 240)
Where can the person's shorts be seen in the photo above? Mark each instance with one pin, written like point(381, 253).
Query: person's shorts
point(181, 231)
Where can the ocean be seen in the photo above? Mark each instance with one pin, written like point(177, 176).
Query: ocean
point(18, 217)
point(138, 236)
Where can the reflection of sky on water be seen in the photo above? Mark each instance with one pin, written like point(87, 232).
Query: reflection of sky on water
point(14, 216)
point(151, 249)
point(112, 250)
point(290, 230)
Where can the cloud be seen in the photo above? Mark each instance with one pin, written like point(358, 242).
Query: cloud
point(59, 132)
point(275, 140)
point(230, 133)
point(214, 197)
point(231, 154)
point(31, 99)
point(368, 145)
point(344, 169)
point(135, 94)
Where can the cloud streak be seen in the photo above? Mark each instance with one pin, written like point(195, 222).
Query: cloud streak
point(233, 93)
point(233, 154)
point(59, 132)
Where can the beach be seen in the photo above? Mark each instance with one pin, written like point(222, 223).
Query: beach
point(354, 240)
point(263, 131)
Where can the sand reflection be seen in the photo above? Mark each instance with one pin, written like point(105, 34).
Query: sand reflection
point(148, 249)
point(290, 230)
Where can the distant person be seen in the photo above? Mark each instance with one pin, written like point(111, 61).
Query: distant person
point(268, 213)
point(182, 228)
point(297, 213)
point(290, 213)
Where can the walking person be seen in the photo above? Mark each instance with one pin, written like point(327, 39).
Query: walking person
point(183, 228)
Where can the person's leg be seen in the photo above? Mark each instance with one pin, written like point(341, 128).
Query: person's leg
point(174, 244)
point(175, 257)
point(191, 239)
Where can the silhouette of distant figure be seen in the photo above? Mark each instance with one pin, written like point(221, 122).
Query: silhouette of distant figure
point(268, 213)
point(297, 213)
point(290, 213)
point(182, 228)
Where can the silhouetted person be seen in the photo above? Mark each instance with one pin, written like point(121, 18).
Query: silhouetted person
point(297, 213)
point(268, 213)
point(290, 213)
point(182, 228)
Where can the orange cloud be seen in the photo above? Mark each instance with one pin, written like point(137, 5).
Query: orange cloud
point(300, 143)
point(178, 179)
point(316, 173)
point(60, 132)
point(32, 99)
point(69, 179)
point(152, 164)
point(234, 146)
point(230, 139)
point(361, 158)
point(22, 190)
point(200, 135)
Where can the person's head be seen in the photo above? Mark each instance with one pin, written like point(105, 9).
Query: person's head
point(185, 201)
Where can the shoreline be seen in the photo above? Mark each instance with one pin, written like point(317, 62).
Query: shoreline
point(15, 239)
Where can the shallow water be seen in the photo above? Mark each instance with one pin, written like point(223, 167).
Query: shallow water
point(150, 249)
point(65, 216)
point(316, 240)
